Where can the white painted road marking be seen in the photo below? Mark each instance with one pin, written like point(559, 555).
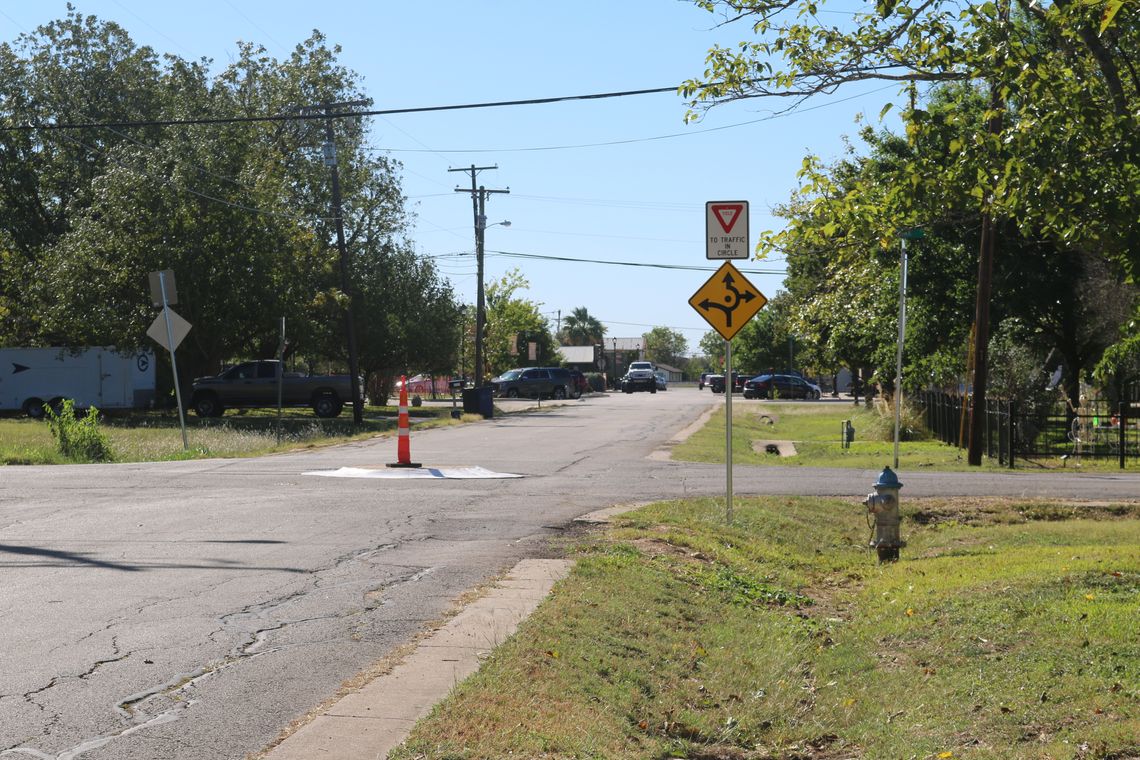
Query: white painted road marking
point(423, 473)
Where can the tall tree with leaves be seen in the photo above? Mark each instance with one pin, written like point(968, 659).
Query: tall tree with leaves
point(512, 322)
point(665, 345)
point(239, 211)
point(582, 329)
point(1059, 93)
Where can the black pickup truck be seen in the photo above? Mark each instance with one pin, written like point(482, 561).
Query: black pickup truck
point(254, 384)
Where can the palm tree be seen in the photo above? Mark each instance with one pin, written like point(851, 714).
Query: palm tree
point(582, 329)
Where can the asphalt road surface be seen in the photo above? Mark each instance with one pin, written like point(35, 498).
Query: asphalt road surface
point(191, 610)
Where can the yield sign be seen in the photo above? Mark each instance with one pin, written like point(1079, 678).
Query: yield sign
point(726, 229)
point(727, 301)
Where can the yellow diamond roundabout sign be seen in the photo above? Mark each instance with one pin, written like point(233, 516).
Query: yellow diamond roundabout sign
point(728, 300)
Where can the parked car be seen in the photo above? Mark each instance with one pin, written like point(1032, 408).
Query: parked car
point(716, 382)
point(703, 381)
point(641, 376)
point(662, 380)
point(536, 382)
point(780, 386)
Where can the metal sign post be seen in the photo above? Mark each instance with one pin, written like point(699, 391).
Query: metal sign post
point(173, 361)
point(280, 377)
point(728, 430)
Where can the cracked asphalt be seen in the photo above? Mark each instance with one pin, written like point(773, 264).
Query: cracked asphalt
point(193, 610)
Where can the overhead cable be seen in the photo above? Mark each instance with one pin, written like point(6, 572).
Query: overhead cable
point(331, 115)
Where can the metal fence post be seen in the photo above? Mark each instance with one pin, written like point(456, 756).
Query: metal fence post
point(1122, 421)
point(1011, 430)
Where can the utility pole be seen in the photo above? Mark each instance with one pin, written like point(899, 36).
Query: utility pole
point(479, 207)
point(985, 281)
point(329, 151)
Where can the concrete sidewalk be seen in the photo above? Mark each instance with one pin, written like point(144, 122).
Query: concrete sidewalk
point(368, 723)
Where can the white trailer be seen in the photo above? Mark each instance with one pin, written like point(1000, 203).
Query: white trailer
point(100, 376)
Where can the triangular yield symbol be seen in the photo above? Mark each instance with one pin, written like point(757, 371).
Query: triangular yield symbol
point(727, 214)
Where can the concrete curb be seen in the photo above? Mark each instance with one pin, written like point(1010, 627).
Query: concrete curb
point(368, 723)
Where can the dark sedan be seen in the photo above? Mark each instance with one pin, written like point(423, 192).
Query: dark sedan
point(780, 386)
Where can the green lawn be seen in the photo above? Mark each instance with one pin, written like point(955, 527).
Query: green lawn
point(815, 429)
point(1008, 630)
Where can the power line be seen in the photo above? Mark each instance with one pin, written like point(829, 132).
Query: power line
point(681, 267)
point(333, 114)
point(630, 140)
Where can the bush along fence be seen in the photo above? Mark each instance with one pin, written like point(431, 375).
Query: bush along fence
point(1010, 431)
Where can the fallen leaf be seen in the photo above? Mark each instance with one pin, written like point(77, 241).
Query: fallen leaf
point(552, 653)
point(1090, 597)
point(643, 725)
point(945, 754)
point(909, 612)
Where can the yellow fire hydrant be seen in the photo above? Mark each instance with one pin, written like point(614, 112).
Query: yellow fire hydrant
point(884, 505)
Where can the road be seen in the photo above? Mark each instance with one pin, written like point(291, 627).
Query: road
point(192, 610)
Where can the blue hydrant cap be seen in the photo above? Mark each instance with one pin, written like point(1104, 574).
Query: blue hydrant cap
point(888, 479)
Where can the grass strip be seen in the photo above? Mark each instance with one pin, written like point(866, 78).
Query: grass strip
point(815, 429)
point(1008, 630)
point(157, 436)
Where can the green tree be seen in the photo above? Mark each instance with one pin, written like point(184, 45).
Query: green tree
point(582, 329)
point(74, 69)
point(762, 344)
point(510, 318)
point(410, 321)
point(240, 211)
point(843, 275)
point(665, 346)
point(1057, 97)
point(712, 348)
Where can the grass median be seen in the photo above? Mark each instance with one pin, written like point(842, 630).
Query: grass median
point(1008, 630)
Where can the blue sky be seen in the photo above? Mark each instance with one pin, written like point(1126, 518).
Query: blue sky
point(640, 201)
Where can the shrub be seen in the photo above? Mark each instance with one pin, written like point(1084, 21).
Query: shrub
point(879, 423)
point(80, 440)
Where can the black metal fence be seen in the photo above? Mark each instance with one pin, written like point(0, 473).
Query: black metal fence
point(1096, 430)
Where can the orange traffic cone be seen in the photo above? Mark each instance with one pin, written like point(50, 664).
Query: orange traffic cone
point(403, 438)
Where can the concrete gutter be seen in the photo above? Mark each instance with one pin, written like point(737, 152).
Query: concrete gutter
point(371, 721)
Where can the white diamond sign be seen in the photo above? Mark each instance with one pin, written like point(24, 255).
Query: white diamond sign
point(179, 327)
